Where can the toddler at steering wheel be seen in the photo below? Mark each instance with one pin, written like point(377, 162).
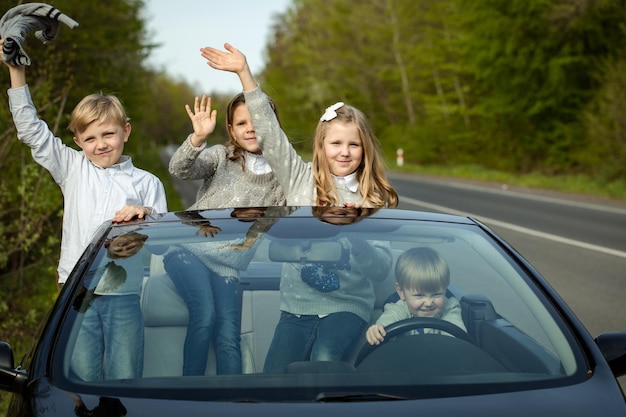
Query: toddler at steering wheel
point(422, 278)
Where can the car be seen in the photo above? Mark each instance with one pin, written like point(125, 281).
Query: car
point(518, 351)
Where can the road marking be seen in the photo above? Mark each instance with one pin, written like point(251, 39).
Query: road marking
point(534, 197)
point(516, 228)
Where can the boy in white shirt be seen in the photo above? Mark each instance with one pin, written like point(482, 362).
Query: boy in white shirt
point(98, 183)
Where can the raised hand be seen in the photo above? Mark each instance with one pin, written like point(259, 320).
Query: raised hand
point(203, 119)
point(231, 60)
point(207, 230)
point(17, 73)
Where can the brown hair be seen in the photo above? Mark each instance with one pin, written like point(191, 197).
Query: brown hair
point(233, 150)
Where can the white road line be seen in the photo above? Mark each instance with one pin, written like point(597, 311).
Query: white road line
point(516, 228)
point(534, 197)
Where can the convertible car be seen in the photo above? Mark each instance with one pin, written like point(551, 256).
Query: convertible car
point(517, 349)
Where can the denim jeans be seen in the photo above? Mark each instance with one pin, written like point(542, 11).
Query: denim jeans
point(309, 337)
point(214, 313)
point(110, 340)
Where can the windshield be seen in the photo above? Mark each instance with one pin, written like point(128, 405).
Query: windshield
point(241, 305)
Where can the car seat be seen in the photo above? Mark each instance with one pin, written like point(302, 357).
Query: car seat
point(165, 328)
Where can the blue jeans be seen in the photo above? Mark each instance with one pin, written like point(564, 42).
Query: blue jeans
point(211, 301)
point(302, 338)
point(110, 340)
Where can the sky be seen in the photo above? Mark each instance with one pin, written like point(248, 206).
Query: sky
point(182, 27)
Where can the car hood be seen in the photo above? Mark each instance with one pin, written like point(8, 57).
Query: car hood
point(583, 399)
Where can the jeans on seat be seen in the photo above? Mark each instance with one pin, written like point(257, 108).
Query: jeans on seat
point(214, 313)
point(110, 340)
point(310, 337)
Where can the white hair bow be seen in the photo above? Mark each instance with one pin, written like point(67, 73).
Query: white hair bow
point(331, 112)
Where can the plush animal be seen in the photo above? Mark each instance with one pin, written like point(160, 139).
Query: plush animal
point(19, 21)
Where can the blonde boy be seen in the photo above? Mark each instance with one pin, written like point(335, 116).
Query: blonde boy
point(422, 278)
point(98, 182)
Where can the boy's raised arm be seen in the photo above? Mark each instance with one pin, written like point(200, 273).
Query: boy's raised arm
point(16, 73)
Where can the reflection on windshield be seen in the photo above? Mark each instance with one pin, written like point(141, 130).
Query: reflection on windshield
point(109, 344)
point(259, 304)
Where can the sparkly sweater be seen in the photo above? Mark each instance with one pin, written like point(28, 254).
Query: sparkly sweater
point(222, 256)
point(294, 175)
point(225, 183)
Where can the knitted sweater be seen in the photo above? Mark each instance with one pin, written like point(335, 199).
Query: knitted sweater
point(225, 183)
point(356, 291)
point(222, 258)
point(397, 311)
point(294, 175)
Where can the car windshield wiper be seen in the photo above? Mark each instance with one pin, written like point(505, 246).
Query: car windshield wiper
point(331, 397)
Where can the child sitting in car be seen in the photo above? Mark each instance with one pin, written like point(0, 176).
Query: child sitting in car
point(422, 278)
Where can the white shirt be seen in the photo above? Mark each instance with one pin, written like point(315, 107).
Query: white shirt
point(349, 181)
point(91, 194)
point(257, 164)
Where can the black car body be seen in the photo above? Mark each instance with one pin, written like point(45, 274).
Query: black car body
point(524, 351)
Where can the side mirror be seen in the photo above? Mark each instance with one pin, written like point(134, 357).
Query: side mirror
point(613, 347)
point(11, 379)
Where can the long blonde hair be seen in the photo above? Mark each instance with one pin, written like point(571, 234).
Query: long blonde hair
point(374, 186)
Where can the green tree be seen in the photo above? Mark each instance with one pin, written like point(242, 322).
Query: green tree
point(497, 83)
point(532, 62)
point(605, 124)
point(106, 53)
point(396, 60)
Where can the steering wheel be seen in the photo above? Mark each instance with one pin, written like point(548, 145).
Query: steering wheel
point(414, 323)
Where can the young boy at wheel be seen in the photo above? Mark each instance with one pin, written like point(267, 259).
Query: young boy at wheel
point(422, 278)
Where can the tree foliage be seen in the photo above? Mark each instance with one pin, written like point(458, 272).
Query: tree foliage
point(512, 85)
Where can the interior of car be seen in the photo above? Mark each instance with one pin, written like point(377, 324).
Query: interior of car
point(492, 344)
